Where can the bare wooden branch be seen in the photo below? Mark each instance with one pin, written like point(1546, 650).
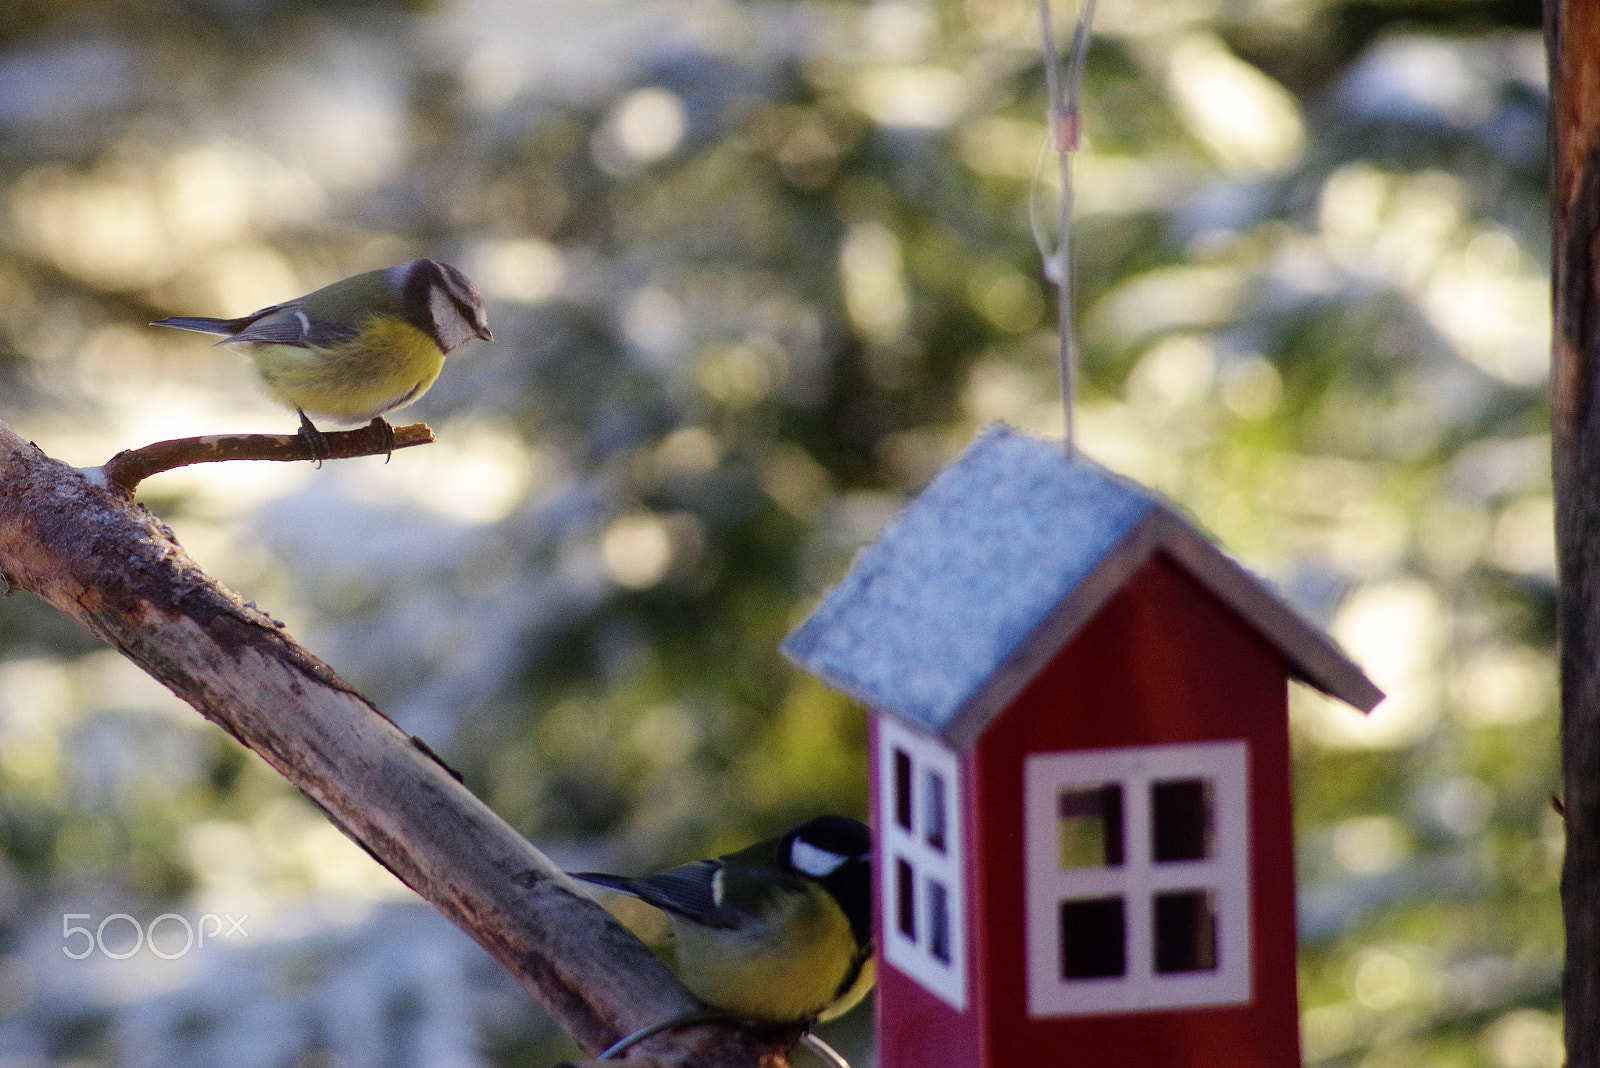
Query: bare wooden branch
point(113, 567)
point(1573, 38)
point(128, 468)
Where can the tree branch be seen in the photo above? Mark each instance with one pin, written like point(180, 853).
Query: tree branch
point(128, 468)
point(114, 568)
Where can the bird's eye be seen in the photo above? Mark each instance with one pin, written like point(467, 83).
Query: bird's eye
point(813, 860)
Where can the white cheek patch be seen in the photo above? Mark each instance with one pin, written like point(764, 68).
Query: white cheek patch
point(451, 328)
point(814, 860)
point(440, 307)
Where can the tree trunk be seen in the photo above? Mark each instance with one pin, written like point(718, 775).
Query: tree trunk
point(1573, 39)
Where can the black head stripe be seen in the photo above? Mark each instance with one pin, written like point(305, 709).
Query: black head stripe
point(420, 279)
point(836, 834)
point(466, 299)
point(851, 882)
point(440, 301)
point(851, 887)
point(459, 287)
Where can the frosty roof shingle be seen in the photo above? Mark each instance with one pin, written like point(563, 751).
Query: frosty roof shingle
point(960, 580)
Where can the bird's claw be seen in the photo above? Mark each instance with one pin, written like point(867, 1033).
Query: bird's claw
point(315, 440)
point(383, 427)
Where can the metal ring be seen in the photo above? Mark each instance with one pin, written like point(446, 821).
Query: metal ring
point(622, 1045)
point(830, 1056)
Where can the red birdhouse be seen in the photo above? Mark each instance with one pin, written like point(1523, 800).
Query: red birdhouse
point(1080, 773)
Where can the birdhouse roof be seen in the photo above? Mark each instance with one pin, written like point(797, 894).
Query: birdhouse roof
point(971, 590)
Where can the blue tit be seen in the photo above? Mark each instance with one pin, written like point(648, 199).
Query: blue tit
point(777, 933)
point(354, 350)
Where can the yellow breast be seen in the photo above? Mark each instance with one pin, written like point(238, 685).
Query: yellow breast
point(755, 974)
point(389, 365)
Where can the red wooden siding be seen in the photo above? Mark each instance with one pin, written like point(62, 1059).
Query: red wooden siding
point(1163, 662)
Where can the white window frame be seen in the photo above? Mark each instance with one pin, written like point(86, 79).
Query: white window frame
point(914, 956)
point(1225, 874)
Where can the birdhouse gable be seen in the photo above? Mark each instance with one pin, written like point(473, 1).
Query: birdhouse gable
point(964, 575)
point(996, 565)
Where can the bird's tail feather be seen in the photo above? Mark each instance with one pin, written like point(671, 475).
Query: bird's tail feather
point(619, 883)
point(225, 327)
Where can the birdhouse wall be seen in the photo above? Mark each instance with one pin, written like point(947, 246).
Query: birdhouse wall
point(1163, 663)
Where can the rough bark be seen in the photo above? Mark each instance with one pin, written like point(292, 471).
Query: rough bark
point(106, 562)
point(1573, 38)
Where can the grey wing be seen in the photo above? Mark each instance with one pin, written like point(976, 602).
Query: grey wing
point(689, 891)
point(285, 324)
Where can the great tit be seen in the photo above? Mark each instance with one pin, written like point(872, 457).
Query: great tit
point(779, 932)
point(353, 350)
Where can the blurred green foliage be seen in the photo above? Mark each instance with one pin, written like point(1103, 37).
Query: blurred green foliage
point(756, 272)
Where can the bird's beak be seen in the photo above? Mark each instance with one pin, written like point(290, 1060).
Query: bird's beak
point(484, 332)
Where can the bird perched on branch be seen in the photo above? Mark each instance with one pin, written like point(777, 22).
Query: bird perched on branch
point(354, 350)
point(779, 932)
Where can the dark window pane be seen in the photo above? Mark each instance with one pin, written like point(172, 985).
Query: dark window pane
point(1181, 820)
point(933, 812)
point(938, 921)
point(905, 889)
point(1093, 938)
point(1091, 827)
point(902, 789)
point(1186, 932)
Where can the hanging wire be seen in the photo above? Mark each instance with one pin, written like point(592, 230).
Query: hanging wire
point(1064, 87)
